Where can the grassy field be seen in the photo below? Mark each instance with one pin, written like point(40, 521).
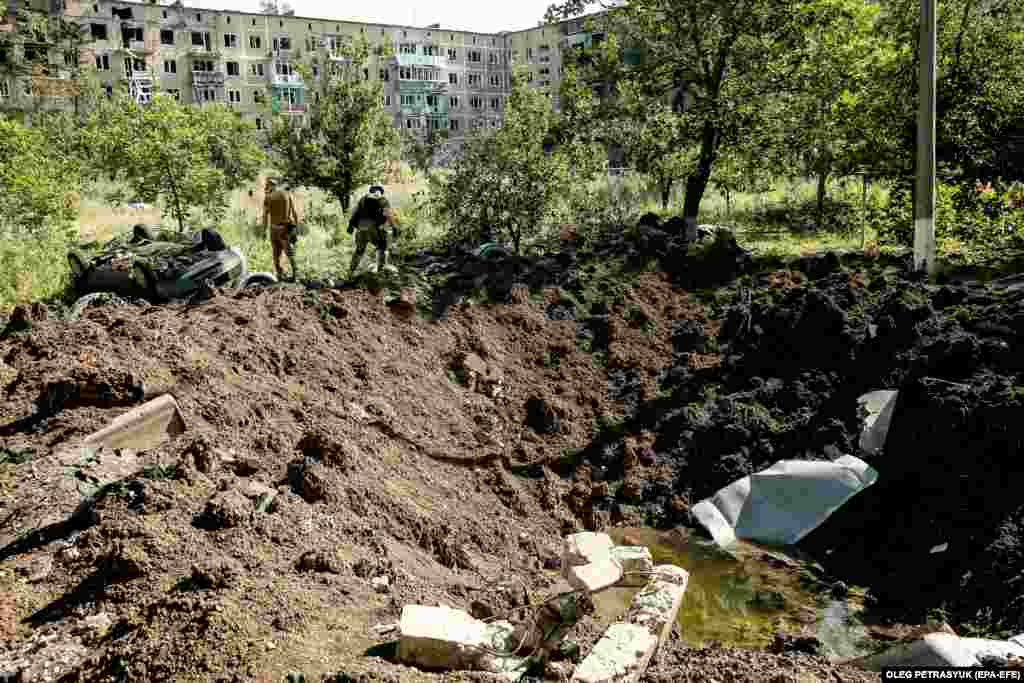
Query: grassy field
point(41, 270)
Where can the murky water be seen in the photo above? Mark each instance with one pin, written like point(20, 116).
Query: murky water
point(744, 596)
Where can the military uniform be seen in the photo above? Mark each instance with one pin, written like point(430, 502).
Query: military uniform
point(279, 211)
point(368, 222)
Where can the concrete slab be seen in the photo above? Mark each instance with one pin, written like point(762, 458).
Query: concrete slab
point(621, 656)
point(657, 605)
point(596, 576)
point(446, 638)
point(636, 562)
point(143, 427)
point(584, 548)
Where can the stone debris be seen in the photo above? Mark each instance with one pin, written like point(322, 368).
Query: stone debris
point(596, 576)
point(584, 548)
point(446, 638)
point(636, 563)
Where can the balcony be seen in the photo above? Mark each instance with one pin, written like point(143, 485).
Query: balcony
point(287, 79)
point(293, 108)
point(208, 77)
point(202, 51)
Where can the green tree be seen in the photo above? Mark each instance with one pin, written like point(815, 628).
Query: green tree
point(349, 138)
point(504, 185)
point(419, 150)
point(188, 157)
point(715, 61)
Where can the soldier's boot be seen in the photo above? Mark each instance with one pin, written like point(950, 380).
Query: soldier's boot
point(357, 256)
point(382, 259)
point(291, 262)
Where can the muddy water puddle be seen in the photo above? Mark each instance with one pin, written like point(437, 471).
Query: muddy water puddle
point(743, 597)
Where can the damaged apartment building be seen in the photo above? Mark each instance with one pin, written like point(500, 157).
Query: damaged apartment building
point(433, 78)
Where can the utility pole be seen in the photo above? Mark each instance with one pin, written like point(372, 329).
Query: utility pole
point(924, 206)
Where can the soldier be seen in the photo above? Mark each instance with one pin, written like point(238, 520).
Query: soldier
point(280, 219)
point(372, 212)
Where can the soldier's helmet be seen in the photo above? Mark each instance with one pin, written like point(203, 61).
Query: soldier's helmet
point(377, 189)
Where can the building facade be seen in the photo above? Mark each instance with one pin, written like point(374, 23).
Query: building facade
point(432, 77)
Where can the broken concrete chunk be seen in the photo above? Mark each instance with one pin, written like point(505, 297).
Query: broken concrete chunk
point(446, 638)
point(143, 427)
point(656, 606)
point(621, 656)
point(636, 563)
point(879, 406)
point(596, 576)
point(584, 548)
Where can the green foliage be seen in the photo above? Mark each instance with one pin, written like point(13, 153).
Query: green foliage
point(39, 192)
point(505, 183)
point(350, 137)
point(419, 150)
point(189, 157)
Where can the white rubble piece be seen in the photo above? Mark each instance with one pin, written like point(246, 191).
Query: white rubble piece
point(584, 548)
point(596, 576)
point(620, 656)
point(879, 406)
point(636, 563)
point(625, 650)
point(784, 503)
point(942, 649)
point(446, 638)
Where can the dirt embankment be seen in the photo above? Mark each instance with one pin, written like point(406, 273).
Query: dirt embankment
point(396, 482)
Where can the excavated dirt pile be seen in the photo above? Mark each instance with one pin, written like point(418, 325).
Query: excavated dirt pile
point(340, 461)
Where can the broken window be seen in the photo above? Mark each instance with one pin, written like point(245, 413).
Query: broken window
point(109, 89)
point(529, 53)
point(233, 69)
point(259, 123)
point(473, 55)
point(255, 42)
point(98, 31)
point(131, 33)
point(476, 102)
point(235, 96)
point(492, 58)
point(316, 71)
point(453, 124)
point(387, 100)
point(453, 78)
point(70, 59)
point(452, 54)
point(203, 66)
point(407, 48)
point(282, 43)
point(124, 13)
point(230, 40)
point(431, 100)
point(257, 96)
point(166, 37)
point(404, 73)
point(198, 38)
point(431, 50)
point(256, 69)
point(103, 62)
point(385, 75)
point(473, 79)
point(453, 102)
point(5, 90)
point(175, 93)
point(496, 80)
point(495, 103)
point(170, 66)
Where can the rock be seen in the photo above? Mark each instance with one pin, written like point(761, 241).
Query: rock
point(784, 643)
point(480, 376)
point(261, 494)
point(309, 480)
point(214, 574)
point(584, 548)
point(381, 584)
point(595, 576)
point(322, 446)
point(225, 510)
point(542, 417)
point(446, 638)
point(636, 562)
point(402, 304)
point(94, 627)
point(318, 561)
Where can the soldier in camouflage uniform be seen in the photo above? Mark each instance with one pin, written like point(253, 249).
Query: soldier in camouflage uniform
point(372, 212)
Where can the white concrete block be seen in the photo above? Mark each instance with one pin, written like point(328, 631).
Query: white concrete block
point(636, 562)
point(621, 656)
point(584, 548)
point(941, 649)
point(595, 576)
point(657, 605)
point(446, 638)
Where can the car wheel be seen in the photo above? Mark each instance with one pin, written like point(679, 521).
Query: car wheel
point(212, 241)
point(145, 279)
point(259, 280)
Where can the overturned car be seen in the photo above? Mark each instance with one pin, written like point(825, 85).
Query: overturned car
point(160, 265)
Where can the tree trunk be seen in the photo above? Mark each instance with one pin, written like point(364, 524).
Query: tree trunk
point(728, 203)
point(698, 180)
point(666, 192)
point(822, 190)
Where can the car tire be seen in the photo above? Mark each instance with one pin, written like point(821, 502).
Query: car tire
point(212, 241)
point(144, 277)
point(259, 280)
